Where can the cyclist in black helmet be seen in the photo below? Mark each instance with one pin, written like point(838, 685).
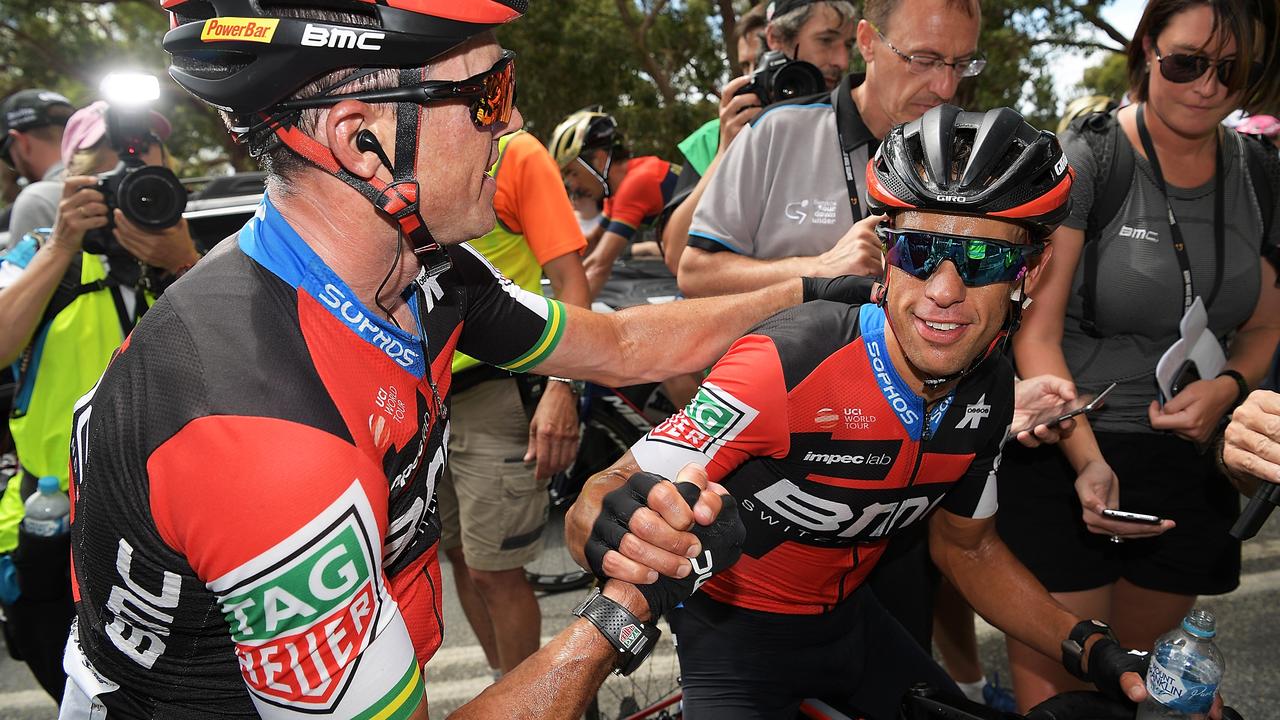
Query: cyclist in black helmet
point(255, 523)
point(837, 427)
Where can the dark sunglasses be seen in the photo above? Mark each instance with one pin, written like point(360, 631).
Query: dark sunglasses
point(1184, 68)
point(492, 93)
point(978, 261)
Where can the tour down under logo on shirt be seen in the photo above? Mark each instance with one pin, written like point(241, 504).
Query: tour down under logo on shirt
point(712, 418)
point(302, 612)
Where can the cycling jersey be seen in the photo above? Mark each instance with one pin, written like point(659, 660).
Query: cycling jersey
point(809, 425)
point(253, 484)
point(640, 197)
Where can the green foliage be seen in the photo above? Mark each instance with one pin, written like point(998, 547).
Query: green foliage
point(1109, 77)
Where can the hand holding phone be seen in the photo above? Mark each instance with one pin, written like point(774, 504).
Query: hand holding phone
point(1083, 404)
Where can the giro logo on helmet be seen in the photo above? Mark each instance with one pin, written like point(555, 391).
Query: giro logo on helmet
point(952, 198)
point(336, 37)
point(259, 30)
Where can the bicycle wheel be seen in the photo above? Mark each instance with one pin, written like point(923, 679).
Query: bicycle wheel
point(555, 570)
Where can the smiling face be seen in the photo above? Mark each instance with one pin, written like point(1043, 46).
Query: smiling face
point(941, 325)
point(1195, 108)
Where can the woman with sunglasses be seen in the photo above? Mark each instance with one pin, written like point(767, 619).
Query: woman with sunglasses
point(1192, 211)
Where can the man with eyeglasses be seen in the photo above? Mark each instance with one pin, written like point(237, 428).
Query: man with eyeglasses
point(255, 527)
point(31, 123)
point(790, 199)
point(839, 427)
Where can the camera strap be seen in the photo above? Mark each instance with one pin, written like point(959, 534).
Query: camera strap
point(1219, 221)
point(853, 157)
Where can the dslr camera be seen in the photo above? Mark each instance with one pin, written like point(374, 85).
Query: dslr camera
point(149, 195)
point(778, 77)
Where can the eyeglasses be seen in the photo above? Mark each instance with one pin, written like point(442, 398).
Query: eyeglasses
point(1185, 68)
point(922, 64)
point(492, 94)
point(978, 261)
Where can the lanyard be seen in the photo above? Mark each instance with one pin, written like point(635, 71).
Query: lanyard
point(855, 162)
point(1219, 222)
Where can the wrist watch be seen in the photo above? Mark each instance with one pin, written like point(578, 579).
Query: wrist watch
point(1242, 387)
point(575, 386)
point(634, 640)
point(1073, 646)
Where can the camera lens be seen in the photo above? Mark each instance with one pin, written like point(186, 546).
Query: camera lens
point(797, 79)
point(152, 197)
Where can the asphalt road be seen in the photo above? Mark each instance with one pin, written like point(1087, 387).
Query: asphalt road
point(1248, 632)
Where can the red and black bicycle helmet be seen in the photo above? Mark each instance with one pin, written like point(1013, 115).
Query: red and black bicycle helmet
point(243, 57)
point(990, 164)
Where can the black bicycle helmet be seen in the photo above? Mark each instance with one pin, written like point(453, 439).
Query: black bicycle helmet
point(242, 57)
point(990, 164)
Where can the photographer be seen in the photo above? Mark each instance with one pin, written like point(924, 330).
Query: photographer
point(68, 297)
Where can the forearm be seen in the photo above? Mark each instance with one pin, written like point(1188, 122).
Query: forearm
point(655, 342)
point(675, 236)
point(23, 303)
point(1252, 350)
point(705, 274)
point(599, 263)
point(560, 679)
point(1004, 592)
point(1039, 352)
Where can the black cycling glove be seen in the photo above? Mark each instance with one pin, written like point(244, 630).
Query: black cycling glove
point(1108, 661)
point(721, 540)
point(848, 289)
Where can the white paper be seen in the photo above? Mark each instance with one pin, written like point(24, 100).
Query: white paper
point(1197, 344)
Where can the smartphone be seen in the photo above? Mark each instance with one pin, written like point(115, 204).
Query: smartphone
point(1083, 404)
point(1131, 517)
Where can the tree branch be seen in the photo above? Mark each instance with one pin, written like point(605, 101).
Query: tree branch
point(1077, 43)
point(1090, 11)
point(728, 30)
point(54, 59)
point(639, 35)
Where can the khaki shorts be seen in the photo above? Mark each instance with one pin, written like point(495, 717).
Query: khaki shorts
point(489, 501)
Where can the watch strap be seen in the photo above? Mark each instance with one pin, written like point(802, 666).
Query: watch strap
point(1242, 386)
point(633, 639)
point(1073, 646)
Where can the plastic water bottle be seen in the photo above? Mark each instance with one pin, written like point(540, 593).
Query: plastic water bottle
point(48, 511)
point(1186, 669)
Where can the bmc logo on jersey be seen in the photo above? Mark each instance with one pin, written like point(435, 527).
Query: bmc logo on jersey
point(711, 419)
point(301, 615)
point(1139, 233)
point(343, 38)
point(819, 519)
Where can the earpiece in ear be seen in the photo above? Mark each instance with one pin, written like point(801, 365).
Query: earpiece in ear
point(366, 141)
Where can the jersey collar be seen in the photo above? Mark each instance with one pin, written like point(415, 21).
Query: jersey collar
point(273, 243)
point(906, 404)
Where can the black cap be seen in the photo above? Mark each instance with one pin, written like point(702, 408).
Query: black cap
point(778, 8)
point(28, 109)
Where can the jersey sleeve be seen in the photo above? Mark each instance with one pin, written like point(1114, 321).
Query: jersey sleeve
point(639, 196)
point(284, 527)
point(504, 324)
point(542, 212)
point(740, 412)
point(728, 215)
point(1080, 155)
point(974, 496)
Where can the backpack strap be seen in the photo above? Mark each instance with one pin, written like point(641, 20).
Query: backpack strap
point(1114, 160)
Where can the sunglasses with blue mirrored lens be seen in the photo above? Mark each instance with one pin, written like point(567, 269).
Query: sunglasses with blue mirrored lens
point(978, 261)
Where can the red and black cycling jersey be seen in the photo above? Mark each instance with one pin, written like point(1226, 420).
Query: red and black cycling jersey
point(254, 529)
point(810, 427)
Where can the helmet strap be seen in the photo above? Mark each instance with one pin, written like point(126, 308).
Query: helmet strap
point(602, 178)
point(398, 200)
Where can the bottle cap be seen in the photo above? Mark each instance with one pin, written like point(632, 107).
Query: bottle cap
point(49, 484)
point(1200, 623)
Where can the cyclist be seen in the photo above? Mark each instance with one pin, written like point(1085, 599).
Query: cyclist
point(594, 162)
point(816, 31)
point(254, 524)
point(838, 427)
point(493, 495)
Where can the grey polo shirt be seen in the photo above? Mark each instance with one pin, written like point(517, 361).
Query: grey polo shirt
point(780, 189)
point(36, 206)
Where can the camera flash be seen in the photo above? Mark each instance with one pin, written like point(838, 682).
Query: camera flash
point(130, 89)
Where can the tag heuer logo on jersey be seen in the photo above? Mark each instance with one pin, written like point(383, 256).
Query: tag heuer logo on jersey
point(300, 612)
point(711, 419)
point(975, 413)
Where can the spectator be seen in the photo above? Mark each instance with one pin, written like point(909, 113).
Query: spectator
point(594, 161)
point(779, 205)
point(493, 496)
point(1109, 317)
point(63, 313)
point(816, 31)
point(31, 123)
point(1251, 443)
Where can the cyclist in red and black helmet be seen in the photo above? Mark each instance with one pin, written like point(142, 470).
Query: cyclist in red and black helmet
point(255, 524)
point(838, 428)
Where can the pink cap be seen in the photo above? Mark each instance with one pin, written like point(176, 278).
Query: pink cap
point(1264, 125)
point(89, 124)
